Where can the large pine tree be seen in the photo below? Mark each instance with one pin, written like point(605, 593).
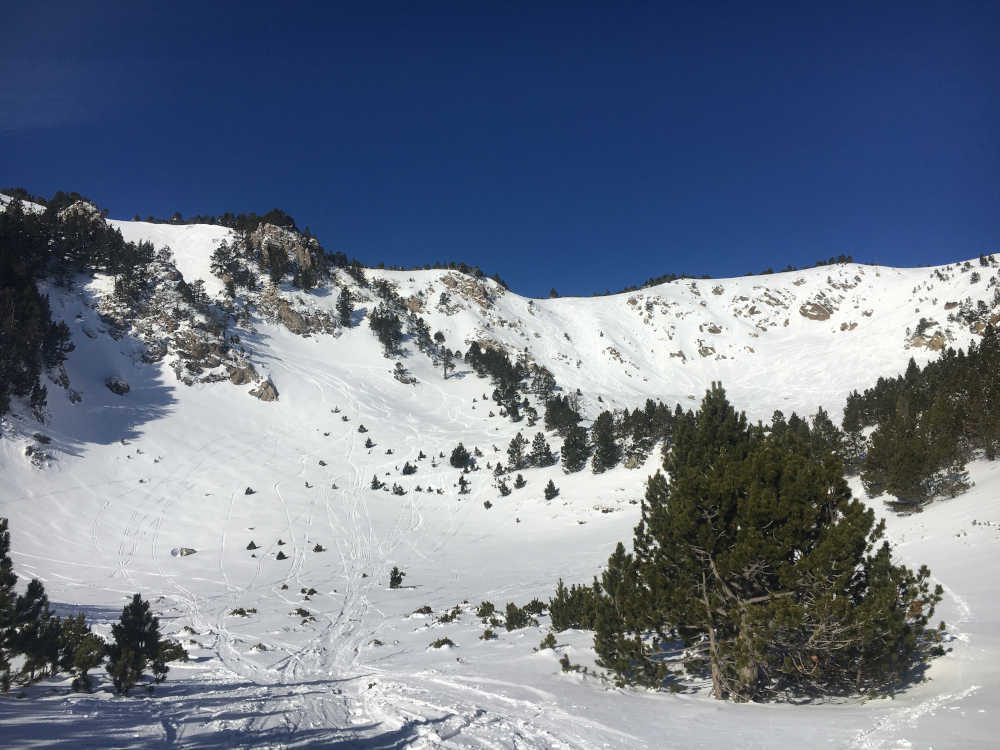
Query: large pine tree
point(756, 556)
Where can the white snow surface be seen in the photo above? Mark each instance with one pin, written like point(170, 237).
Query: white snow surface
point(133, 478)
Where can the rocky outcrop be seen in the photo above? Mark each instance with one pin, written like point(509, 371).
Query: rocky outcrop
point(814, 311)
point(934, 343)
point(481, 291)
point(293, 321)
point(117, 385)
point(265, 391)
point(242, 374)
point(300, 250)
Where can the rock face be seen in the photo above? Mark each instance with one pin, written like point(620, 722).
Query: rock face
point(934, 343)
point(268, 238)
point(814, 311)
point(265, 391)
point(117, 385)
point(241, 375)
point(294, 322)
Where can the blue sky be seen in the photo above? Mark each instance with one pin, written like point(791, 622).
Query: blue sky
point(583, 148)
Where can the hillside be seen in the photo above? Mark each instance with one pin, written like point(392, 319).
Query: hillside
point(100, 507)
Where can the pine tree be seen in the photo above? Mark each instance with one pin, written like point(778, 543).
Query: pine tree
point(7, 599)
point(459, 457)
point(515, 452)
point(575, 449)
point(345, 307)
point(551, 490)
point(769, 571)
point(541, 453)
point(607, 452)
point(136, 645)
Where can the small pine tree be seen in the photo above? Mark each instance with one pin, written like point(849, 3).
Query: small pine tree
point(519, 482)
point(459, 457)
point(396, 577)
point(551, 490)
point(541, 453)
point(607, 452)
point(345, 306)
point(136, 644)
point(575, 450)
point(515, 452)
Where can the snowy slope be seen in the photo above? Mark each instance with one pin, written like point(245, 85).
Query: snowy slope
point(132, 478)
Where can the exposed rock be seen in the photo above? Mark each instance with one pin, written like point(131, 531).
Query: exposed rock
point(265, 391)
point(413, 304)
point(814, 311)
point(242, 374)
point(848, 326)
point(934, 343)
point(292, 320)
point(268, 238)
point(481, 291)
point(712, 328)
point(117, 385)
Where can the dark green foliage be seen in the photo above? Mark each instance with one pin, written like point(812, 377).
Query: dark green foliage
point(408, 469)
point(277, 264)
point(396, 577)
point(541, 453)
point(345, 306)
point(561, 414)
point(516, 458)
point(551, 490)
point(459, 457)
point(30, 340)
point(928, 423)
point(442, 642)
point(765, 569)
point(607, 452)
point(388, 328)
point(7, 599)
point(575, 450)
point(518, 617)
point(136, 645)
point(575, 607)
point(486, 609)
point(535, 607)
point(549, 641)
point(519, 482)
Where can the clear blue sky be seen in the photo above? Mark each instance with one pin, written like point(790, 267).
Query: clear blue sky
point(583, 148)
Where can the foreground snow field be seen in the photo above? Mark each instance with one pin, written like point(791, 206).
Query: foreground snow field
point(134, 478)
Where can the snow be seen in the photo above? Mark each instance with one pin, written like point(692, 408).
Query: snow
point(133, 477)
